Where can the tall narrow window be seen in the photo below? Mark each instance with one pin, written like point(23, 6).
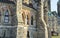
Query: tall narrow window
point(6, 17)
point(28, 34)
point(0, 17)
point(31, 20)
point(23, 17)
point(0, 13)
point(27, 20)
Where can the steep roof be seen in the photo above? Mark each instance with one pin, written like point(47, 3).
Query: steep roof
point(7, 1)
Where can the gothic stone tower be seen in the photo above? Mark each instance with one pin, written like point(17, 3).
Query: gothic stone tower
point(7, 14)
point(26, 20)
point(41, 24)
point(23, 19)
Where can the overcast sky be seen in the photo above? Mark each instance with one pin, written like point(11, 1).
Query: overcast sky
point(54, 5)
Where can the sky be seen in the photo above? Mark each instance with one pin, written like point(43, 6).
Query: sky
point(54, 5)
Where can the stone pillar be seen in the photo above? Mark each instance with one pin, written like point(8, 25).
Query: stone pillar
point(21, 29)
point(46, 15)
point(46, 9)
point(39, 22)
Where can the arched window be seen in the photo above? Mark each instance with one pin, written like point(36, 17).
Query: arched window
point(27, 20)
point(23, 17)
point(31, 20)
point(6, 17)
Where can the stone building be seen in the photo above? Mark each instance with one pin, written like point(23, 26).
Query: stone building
point(58, 29)
point(7, 10)
point(39, 28)
point(23, 18)
point(54, 21)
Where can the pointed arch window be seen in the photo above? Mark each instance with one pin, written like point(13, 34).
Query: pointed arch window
point(23, 17)
point(27, 20)
point(31, 20)
point(6, 17)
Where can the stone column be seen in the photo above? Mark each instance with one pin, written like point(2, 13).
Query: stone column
point(46, 15)
point(46, 9)
point(39, 23)
point(21, 29)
